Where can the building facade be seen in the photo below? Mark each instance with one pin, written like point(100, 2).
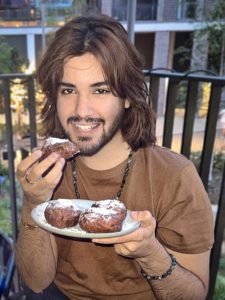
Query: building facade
point(161, 27)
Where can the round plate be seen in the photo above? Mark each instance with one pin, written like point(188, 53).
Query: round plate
point(37, 214)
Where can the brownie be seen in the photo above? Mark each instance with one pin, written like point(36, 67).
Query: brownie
point(61, 214)
point(104, 216)
point(64, 147)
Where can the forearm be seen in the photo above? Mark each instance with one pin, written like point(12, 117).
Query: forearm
point(181, 284)
point(35, 255)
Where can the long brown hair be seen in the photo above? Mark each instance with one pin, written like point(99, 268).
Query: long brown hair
point(107, 40)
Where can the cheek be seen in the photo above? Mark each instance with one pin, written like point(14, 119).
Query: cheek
point(62, 111)
point(112, 108)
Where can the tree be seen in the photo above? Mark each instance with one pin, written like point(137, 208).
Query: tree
point(10, 60)
point(211, 34)
point(215, 31)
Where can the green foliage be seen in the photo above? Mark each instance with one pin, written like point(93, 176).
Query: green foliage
point(5, 216)
point(218, 11)
point(3, 170)
point(219, 160)
point(181, 94)
point(183, 53)
point(10, 60)
point(222, 265)
point(213, 31)
point(219, 293)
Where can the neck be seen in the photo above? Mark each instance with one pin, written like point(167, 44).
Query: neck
point(111, 155)
point(123, 181)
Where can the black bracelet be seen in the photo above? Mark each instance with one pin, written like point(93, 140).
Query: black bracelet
point(168, 272)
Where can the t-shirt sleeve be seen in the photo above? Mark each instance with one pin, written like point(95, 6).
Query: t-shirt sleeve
point(185, 222)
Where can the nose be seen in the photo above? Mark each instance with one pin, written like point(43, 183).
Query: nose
point(83, 105)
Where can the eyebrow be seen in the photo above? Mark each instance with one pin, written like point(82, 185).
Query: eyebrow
point(96, 84)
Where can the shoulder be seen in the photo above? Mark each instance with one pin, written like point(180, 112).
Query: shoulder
point(160, 158)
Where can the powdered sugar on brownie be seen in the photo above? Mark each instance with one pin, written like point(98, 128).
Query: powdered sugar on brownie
point(110, 204)
point(62, 203)
point(54, 140)
point(101, 210)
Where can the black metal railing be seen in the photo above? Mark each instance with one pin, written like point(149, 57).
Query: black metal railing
point(193, 83)
point(5, 81)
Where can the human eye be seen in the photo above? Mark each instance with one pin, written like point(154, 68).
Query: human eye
point(67, 91)
point(102, 91)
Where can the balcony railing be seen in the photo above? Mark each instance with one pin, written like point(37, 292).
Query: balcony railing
point(154, 78)
point(19, 14)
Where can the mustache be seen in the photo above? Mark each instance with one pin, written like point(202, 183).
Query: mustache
point(86, 119)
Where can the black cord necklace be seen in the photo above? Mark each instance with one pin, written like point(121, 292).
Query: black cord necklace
point(126, 172)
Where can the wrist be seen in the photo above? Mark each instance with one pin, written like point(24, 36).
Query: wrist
point(149, 277)
point(29, 225)
point(26, 213)
point(157, 261)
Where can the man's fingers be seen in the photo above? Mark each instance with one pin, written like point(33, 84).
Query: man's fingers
point(43, 166)
point(28, 162)
point(145, 217)
point(36, 148)
point(55, 174)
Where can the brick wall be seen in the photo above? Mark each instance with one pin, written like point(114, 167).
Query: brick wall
point(170, 10)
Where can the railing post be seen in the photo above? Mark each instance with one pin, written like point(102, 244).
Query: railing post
point(219, 236)
point(210, 133)
point(32, 112)
point(190, 110)
point(169, 113)
point(154, 92)
point(9, 138)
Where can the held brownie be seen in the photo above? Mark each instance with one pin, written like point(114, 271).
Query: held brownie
point(64, 147)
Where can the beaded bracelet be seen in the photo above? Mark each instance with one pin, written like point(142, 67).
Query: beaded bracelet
point(29, 226)
point(168, 272)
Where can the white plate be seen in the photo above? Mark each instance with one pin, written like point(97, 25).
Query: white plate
point(37, 214)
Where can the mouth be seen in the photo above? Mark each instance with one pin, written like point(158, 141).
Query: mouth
point(85, 127)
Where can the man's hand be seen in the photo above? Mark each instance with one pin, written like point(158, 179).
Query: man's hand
point(38, 188)
point(138, 243)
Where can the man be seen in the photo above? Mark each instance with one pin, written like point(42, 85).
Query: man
point(96, 96)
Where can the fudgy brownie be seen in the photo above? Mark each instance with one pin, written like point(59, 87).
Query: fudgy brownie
point(103, 216)
point(61, 213)
point(65, 147)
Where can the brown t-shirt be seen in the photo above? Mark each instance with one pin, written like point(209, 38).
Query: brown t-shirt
point(161, 181)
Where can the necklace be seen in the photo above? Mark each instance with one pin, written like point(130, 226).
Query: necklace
point(126, 172)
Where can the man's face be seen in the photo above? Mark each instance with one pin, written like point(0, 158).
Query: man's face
point(88, 111)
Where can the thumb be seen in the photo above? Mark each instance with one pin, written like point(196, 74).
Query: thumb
point(145, 217)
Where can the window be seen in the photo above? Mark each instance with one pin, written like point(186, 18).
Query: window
point(186, 9)
point(146, 10)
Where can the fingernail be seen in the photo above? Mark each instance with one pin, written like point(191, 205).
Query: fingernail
point(134, 214)
point(62, 160)
point(38, 152)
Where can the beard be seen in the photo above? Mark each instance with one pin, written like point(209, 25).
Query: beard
point(106, 136)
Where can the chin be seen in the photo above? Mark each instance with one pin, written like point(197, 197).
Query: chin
point(88, 151)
